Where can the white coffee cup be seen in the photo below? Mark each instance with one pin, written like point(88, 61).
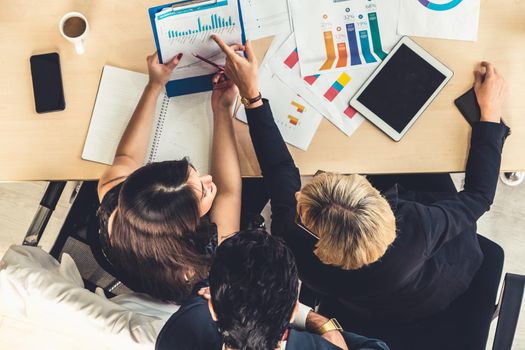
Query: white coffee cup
point(75, 28)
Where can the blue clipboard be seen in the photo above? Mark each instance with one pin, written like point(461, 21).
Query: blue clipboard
point(189, 85)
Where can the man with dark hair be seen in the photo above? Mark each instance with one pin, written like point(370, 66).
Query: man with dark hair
point(254, 291)
point(253, 287)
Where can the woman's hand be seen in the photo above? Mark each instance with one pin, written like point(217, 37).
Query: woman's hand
point(490, 91)
point(159, 74)
point(243, 71)
point(224, 95)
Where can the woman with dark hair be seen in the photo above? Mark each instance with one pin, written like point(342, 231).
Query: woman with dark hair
point(160, 223)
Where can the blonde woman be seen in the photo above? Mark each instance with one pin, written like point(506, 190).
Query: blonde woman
point(398, 255)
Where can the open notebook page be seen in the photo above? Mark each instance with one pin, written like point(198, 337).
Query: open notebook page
point(186, 130)
point(182, 128)
point(118, 94)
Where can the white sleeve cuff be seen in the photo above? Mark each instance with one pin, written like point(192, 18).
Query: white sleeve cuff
point(302, 314)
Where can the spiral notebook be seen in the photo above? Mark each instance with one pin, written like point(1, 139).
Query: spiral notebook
point(182, 126)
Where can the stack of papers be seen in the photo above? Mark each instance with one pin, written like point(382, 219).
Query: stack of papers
point(324, 50)
point(333, 50)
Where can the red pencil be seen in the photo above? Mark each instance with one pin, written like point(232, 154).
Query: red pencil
point(209, 62)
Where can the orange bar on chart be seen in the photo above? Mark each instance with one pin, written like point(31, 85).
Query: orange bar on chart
point(330, 51)
point(343, 55)
point(293, 120)
point(300, 107)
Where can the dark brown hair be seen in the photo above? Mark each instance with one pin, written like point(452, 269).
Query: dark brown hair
point(158, 238)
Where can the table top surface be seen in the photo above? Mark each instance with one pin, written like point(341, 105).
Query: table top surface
point(49, 146)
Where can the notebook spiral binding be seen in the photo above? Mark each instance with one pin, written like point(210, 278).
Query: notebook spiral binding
point(158, 129)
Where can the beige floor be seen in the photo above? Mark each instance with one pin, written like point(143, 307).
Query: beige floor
point(505, 224)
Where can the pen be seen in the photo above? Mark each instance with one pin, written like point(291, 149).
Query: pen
point(208, 61)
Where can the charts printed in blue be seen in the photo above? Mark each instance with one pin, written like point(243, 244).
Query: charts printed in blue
point(188, 29)
point(215, 22)
point(440, 7)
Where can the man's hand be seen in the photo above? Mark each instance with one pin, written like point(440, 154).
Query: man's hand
point(242, 71)
point(490, 90)
point(205, 293)
point(314, 321)
point(159, 74)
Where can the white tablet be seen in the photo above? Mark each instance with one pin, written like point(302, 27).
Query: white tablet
point(401, 88)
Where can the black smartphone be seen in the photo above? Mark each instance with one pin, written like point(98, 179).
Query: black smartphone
point(47, 83)
point(469, 107)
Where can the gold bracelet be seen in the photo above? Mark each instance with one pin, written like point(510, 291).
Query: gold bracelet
point(331, 325)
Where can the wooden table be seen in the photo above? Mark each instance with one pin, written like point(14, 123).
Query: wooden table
point(48, 147)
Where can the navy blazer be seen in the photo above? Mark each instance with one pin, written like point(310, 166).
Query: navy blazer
point(192, 328)
point(435, 254)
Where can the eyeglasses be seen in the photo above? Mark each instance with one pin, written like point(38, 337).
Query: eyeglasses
point(300, 224)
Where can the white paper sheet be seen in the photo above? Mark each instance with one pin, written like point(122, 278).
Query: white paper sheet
point(444, 19)
point(188, 30)
point(264, 18)
point(187, 130)
point(182, 127)
point(337, 35)
point(118, 95)
point(296, 119)
point(329, 93)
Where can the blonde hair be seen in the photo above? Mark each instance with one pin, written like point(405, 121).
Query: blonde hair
point(354, 223)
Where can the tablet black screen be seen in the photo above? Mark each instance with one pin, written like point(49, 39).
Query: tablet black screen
point(401, 88)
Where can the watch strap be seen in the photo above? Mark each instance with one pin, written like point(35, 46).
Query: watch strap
point(331, 325)
point(249, 101)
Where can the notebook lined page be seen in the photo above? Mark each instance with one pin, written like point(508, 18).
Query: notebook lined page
point(182, 127)
point(187, 131)
point(118, 94)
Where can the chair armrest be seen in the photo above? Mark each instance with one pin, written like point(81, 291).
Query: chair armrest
point(47, 206)
point(509, 310)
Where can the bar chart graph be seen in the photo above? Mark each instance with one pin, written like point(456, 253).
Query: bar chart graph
point(328, 93)
point(293, 120)
point(334, 35)
point(214, 22)
point(187, 29)
point(337, 87)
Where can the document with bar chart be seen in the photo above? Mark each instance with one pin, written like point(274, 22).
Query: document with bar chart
point(296, 119)
point(329, 93)
point(337, 35)
point(187, 29)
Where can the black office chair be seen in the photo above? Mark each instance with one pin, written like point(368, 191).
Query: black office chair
point(463, 325)
point(76, 235)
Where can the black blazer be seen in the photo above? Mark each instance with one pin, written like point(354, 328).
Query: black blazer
point(435, 254)
point(192, 328)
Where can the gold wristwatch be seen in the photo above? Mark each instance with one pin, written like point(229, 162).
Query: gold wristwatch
point(250, 101)
point(331, 325)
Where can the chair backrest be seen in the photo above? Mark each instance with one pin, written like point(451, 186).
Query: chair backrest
point(464, 324)
point(509, 309)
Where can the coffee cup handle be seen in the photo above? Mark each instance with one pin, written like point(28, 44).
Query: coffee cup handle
point(79, 47)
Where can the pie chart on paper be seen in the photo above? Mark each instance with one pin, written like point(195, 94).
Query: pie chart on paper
point(443, 5)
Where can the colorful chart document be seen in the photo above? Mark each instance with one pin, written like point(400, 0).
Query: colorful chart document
point(296, 119)
point(444, 19)
point(337, 35)
point(188, 29)
point(329, 93)
point(264, 18)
